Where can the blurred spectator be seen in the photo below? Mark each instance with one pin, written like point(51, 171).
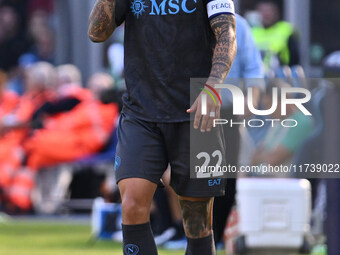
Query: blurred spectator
point(68, 131)
point(8, 99)
point(277, 39)
point(68, 74)
point(99, 82)
point(43, 47)
point(12, 39)
point(74, 134)
point(281, 142)
point(42, 38)
point(69, 93)
point(20, 7)
point(15, 128)
point(38, 23)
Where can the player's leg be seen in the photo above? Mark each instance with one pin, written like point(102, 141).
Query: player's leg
point(197, 222)
point(139, 164)
point(137, 197)
point(195, 193)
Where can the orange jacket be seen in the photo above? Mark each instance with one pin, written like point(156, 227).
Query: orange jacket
point(69, 136)
point(8, 101)
point(20, 191)
point(11, 151)
point(28, 104)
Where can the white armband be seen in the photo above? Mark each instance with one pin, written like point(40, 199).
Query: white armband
point(219, 7)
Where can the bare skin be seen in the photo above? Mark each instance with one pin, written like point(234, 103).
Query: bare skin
point(224, 28)
point(137, 195)
point(102, 20)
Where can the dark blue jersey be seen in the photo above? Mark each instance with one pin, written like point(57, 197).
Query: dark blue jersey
point(167, 42)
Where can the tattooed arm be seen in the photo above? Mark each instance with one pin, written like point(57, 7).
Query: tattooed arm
point(224, 28)
point(102, 20)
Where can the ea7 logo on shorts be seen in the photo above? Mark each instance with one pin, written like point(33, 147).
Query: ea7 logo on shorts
point(214, 182)
point(131, 249)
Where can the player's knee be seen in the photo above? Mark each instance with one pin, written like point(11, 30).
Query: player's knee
point(134, 211)
point(197, 217)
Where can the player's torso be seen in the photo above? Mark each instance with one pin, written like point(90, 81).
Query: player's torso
point(168, 25)
point(167, 42)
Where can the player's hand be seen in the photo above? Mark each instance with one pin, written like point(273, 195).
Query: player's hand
point(213, 112)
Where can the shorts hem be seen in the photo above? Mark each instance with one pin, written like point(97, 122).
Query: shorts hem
point(128, 112)
point(200, 193)
point(156, 181)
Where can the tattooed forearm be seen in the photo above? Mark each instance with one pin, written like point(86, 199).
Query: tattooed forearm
point(197, 217)
point(102, 20)
point(224, 28)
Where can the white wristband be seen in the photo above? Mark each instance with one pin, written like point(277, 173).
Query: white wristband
point(220, 6)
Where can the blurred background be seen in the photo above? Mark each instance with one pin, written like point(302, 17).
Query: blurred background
point(60, 100)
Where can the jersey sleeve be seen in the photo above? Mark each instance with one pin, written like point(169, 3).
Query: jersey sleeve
point(217, 7)
point(121, 9)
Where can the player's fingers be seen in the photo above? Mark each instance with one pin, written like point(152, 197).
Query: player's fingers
point(206, 118)
point(212, 116)
point(218, 112)
point(204, 122)
point(209, 123)
point(198, 116)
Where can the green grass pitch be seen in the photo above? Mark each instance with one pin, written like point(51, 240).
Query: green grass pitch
point(46, 238)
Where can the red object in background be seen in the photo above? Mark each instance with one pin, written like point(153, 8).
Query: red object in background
point(46, 5)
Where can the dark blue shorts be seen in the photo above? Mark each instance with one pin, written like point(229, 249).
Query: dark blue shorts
point(145, 149)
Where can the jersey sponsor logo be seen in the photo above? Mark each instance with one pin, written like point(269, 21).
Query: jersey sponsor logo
point(214, 182)
point(138, 7)
point(117, 162)
point(163, 7)
point(131, 249)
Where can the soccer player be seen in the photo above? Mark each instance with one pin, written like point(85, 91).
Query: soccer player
point(166, 43)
